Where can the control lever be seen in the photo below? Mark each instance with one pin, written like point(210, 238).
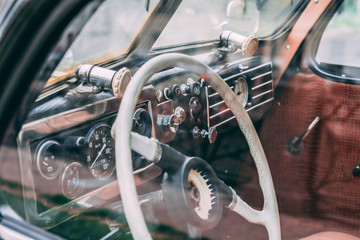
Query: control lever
point(295, 144)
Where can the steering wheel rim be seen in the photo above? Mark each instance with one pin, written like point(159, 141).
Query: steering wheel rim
point(269, 216)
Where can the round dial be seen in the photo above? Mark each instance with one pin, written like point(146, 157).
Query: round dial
point(49, 161)
point(100, 157)
point(142, 122)
point(70, 180)
point(241, 90)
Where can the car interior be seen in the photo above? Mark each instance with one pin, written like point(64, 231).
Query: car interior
point(155, 119)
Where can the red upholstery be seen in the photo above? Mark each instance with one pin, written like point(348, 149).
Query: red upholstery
point(331, 236)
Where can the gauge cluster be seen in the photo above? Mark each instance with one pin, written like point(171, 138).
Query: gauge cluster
point(79, 160)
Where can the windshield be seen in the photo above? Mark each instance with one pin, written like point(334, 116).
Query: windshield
point(108, 34)
point(197, 20)
point(111, 30)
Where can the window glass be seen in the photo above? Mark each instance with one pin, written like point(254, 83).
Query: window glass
point(58, 169)
point(108, 34)
point(199, 21)
point(339, 44)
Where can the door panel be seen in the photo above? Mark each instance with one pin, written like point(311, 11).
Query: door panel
point(317, 184)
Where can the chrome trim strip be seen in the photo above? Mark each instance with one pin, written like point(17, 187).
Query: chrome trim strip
point(223, 122)
point(261, 75)
point(247, 71)
point(253, 88)
point(261, 85)
point(262, 94)
point(72, 117)
point(213, 95)
point(219, 113)
point(233, 117)
point(165, 102)
point(260, 104)
point(217, 104)
point(216, 93)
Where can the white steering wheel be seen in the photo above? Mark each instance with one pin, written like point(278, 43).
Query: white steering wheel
point(268, 216)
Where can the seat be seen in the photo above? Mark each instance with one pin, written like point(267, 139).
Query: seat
point(331, 236)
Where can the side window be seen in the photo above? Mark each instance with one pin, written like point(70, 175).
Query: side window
point(339, 44)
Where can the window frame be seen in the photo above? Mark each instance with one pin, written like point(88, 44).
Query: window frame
point(334, 72)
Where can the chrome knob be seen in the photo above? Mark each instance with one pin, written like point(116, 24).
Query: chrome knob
point(211, 134)
point(169, 122)
point(180, 112)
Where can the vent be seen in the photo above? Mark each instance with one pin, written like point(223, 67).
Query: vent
point(259, 82)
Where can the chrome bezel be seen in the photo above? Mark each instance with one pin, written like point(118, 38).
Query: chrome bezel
point(38, 154)
point(88, 136)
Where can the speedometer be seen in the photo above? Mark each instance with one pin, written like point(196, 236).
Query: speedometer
point(100, 156)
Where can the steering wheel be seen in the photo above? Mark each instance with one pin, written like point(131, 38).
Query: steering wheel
point(268, 216)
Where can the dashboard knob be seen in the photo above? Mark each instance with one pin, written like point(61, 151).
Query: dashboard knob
point(211, 134)
point(167, 93)
point(195, 107)
point(169, 122)
point(120, 81)
point(175, 91)
point(180, 112)
point(192, 88)
point(159, 95)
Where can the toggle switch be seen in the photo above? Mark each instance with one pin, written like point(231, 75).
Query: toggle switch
point(211, 134)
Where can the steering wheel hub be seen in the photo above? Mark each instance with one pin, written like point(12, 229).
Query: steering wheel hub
point(192, 195)
point(201, 193)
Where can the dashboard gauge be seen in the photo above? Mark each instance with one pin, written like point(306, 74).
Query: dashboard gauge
point(101, 152)
point(241, 90)
point(49, 160)
point(142, 122)
point(70, 180)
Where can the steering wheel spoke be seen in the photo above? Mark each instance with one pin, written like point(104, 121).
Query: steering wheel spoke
point(243, 209)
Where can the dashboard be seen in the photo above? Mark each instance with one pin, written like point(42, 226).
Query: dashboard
point(67, 154)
